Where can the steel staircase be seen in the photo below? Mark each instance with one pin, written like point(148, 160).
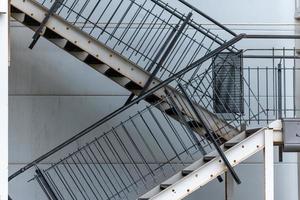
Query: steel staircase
point(101, 57)
point(196, 122)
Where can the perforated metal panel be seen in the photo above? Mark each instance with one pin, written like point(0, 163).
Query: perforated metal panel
point(228, 83)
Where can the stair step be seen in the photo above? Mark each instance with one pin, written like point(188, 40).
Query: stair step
point(113, 73)
point(59, 42)
point(121, 80)
point(50, 34)
point(208, 158)
point(250, 132)
point(18, 16)
point(29, 21)
point(228, 145)
point(92, 60)
point(15, 10)
point(133, 86)
point(186, 172)
point(152, 99)
point(81, 55)
point(72, 47)
point(164, 186)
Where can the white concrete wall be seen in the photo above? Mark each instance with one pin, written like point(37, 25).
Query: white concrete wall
point(52, 96)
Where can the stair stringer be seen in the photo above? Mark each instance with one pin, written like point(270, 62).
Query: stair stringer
point(200, 173)
point(104, 60)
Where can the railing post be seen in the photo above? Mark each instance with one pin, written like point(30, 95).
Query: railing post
point(45, 185)
point(279, 109)
point(269, 165)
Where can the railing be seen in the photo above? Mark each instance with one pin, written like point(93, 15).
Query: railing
point(131, 157)
point(143, 31)
point(258, 94)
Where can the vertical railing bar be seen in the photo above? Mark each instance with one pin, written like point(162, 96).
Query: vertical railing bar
point(62, 179)
point(138, 29)
point(91, 13)
point(122, 162)
point(164, 133)
point(121, 19)
point(156, 37)
point(73, 180)
point(88, 176)
point(43, 188)
point(101, 167)
point(284, 82)
point(166, 54)
point(137, 169)
point(79, 182)
point(144, 140)
point(147, 32)
point(109, 163)
point(84, 178)
point(267, 92)
point(98, 145)
point(112, 16)
point(99, 18)
point(130, 24)
point(152, 134)
point(294, 82)
point(137, 149)
point(93, 173)
point(176, 134)
point(44, 183)
point(54, 185)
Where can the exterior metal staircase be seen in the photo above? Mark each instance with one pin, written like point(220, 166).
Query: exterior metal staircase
point(197, 122)
point(106, 60)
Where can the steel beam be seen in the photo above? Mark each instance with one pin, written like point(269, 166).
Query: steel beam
point(269, 165)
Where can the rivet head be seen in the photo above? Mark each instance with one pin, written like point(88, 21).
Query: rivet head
point(118, 69)
point(188, 190)
point(211, 175)
point(110, 55)
point(131, 69)
point(196, 175)
point(257, 146)
point(53, 28)
point(31, 14)
point(75, 42)
point(89, 41)
point(243, 146)
point(67, 28)
point(173, 190)
point(234, 161)
point(220, 161)
point(140, 82)
point(97, 55)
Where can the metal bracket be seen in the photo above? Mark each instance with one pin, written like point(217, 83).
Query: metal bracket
point(291, 135)
point(55, 6)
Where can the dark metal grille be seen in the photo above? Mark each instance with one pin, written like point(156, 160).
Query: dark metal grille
point(228, 83)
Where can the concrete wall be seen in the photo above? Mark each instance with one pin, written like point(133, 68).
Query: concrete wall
point(52, 96)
